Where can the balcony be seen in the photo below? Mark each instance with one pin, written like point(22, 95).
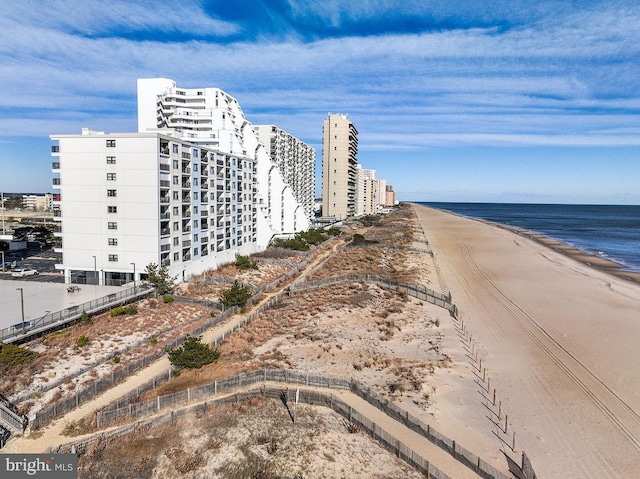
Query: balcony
point(164, 167)
point(165, 232)
point(186, 199)
point(55, 165)
point(186, 184)
point(55, 149)
point(55, 182)
point(165, 199)
point(186, 243)
point(186, 171)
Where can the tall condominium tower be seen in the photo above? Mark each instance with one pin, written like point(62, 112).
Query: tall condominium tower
point(295, 160)
point(339, 167)
point(211, 117)
point(367, 197)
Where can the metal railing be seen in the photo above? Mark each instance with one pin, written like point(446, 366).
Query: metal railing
point(23, 331)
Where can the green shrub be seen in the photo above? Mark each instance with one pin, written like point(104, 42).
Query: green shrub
point(193, 354)
point(244, 262)
point(212, 314)
point(153, 341)
point(82, 341)
point(11, 355)
point(237, 295)
point(167, 298)
point(116, 359)
point(124, 310)
point(304, 240)
point(85, 318)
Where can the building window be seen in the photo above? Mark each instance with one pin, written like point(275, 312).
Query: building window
point(112, 225)
point(176, 226)
point(112, 193)
point(175, 180)
point(196, 196)
point(112, 209)
point(113, 257)
point(111, 176)
point(175, 148)
point(195, 210)
point(113, 241)
point(195, 238)
point(176, 195)
point(175, 164)
point(111, 143)
point(195, 223)
point(176, 212)
point(176, 256)
point(176, 241)
point(196, 251)
point(111, 160)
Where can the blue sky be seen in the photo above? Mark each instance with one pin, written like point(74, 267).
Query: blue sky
point(501, 101)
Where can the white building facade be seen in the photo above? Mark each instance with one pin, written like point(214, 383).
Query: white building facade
point(295, 160)
point(130, 199)
point(211, 117)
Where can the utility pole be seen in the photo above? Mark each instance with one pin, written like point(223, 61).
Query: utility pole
point(22, 305)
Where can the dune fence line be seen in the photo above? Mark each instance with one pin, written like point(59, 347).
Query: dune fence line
point(121, 410)
point(356, 421)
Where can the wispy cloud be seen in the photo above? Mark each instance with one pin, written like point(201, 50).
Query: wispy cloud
point(412, 75)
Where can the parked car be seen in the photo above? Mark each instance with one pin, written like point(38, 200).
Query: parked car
point(22, 272)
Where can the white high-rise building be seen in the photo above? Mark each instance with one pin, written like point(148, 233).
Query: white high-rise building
point(209, 116)
point(295, 160)
point(190, 190)
point(130, 199)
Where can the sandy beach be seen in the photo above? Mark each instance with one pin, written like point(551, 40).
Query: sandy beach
point(559, 339)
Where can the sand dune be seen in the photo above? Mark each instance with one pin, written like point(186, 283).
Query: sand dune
point(560, 339)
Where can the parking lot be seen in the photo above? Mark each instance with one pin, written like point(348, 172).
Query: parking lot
point(43, 293)
point(43, 261)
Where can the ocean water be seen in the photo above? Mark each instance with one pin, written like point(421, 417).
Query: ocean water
point(610, 231)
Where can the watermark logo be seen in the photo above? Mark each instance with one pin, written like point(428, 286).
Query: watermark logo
point(49, 466)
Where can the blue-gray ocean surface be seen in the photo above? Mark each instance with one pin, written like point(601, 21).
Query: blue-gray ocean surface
point(610, 231)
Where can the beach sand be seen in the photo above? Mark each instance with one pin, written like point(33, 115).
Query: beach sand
point(560, 340)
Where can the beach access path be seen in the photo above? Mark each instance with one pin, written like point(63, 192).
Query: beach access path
point(559, 339)
point(51, 434)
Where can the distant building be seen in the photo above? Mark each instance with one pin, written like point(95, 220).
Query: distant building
point(339, 167)
point(296, 161)
point(38, 202)
point(367, 197)
point(390, 196)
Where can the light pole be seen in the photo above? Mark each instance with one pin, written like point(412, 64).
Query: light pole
point(134, 277)
point(2, 260)
point(95, 277)
point(22, 306)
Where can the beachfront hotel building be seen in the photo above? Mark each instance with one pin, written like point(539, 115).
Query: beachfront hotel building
point(367, 197)
point(190, 190)
point(339, 167)
point(295, 160)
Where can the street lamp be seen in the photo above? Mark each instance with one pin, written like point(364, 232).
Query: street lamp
point(134, 277)
point(95, 277)
point(22, 305)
